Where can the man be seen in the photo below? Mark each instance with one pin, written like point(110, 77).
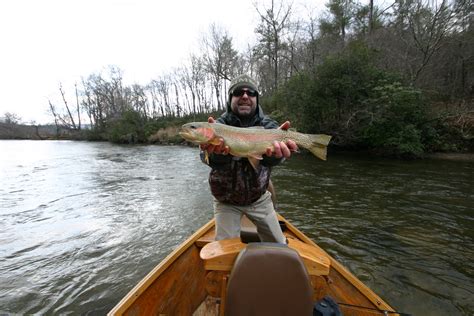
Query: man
point(239, 188)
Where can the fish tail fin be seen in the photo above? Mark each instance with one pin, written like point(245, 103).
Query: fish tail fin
point(318, 145)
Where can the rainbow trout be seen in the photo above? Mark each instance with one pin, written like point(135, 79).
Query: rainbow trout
point(251, 142)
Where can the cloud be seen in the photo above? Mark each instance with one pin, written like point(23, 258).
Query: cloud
point(51, 41)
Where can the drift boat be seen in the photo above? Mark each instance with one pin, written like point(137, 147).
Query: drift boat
point(242, 276)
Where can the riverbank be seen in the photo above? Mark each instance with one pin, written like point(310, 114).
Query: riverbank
point(169, 136)
point(452, 156)
point(37, 132)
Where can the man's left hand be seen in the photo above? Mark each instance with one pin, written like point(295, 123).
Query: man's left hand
point(282, 149)
point(220, 148)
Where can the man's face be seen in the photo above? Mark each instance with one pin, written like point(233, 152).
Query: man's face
point(244, 102)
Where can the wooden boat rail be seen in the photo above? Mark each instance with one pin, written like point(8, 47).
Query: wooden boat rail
point(201, 266)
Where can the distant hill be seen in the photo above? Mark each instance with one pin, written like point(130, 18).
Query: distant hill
point(20, 131)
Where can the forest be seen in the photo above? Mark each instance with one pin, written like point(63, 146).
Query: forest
point(395, 80)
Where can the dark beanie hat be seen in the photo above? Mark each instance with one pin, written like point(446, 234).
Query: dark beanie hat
point(243, 81)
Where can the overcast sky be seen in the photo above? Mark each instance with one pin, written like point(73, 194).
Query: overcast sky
point(44, 43)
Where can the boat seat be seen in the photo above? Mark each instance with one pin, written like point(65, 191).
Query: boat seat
point(268, 279)
point(221, 255)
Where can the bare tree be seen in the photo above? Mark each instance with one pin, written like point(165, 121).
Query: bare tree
point(137, 100)
point(69, 120)
point(105, 98)
point(182, 76)
point(219, 60)
point(428, 27)
point(53, 112)
point(311, 32)
point(274, 23)
point(63, 116)
point(154, 88)
point(11, 118)
point(88, 103)
point(198, 83)
point(78, 108)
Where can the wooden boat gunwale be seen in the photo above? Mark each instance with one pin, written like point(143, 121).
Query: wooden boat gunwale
point(364, 289)
point(128, 300)
point(141, 286)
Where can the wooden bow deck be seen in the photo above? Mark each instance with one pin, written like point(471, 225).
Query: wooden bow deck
point(191, 280)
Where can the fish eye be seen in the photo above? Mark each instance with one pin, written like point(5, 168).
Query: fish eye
point(193, 126)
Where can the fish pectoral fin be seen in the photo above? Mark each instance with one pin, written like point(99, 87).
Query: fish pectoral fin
point(255, 160)
point(256, 156)
point(214, 141)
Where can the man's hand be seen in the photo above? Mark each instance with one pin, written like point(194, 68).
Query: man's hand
point(210, 119)
point(282, 149)
point(215, 149)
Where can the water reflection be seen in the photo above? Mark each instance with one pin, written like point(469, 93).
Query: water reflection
point(81, 223)
point(404, 228)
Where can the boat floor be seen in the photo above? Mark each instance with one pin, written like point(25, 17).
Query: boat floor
point(209, 307)
point(161, 281)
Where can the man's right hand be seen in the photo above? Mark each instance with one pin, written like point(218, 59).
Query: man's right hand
point(282, 149)
point(220, 148)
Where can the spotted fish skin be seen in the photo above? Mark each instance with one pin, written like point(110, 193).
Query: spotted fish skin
point(252, 142)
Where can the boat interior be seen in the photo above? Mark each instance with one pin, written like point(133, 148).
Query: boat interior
point(260, 278)
point(243, 276)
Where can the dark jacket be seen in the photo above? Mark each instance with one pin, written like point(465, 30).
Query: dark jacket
point(232, 179)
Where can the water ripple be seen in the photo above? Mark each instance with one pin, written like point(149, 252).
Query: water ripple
point(401, 227)
point(81, 223)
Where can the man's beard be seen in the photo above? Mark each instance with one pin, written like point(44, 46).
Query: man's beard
point(246, 109)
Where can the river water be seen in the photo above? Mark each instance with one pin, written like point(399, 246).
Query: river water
point(81, 223)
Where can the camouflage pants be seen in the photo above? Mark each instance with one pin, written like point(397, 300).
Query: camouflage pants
point(261, 213)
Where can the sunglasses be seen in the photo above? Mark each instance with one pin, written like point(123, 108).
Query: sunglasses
point(240, 92)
